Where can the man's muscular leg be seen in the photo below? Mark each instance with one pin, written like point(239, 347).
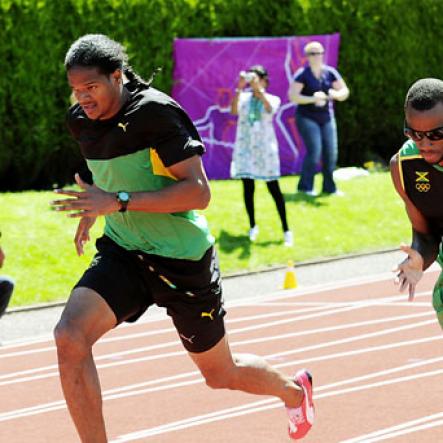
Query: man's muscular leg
point(245, 372)
point(84, 320)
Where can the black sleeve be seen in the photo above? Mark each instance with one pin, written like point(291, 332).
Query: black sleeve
point(427, 245)
point(174, 136)
point(82, 168)
point(85, 174)
point(71, 121)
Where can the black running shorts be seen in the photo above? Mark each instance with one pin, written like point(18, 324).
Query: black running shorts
point(131, 281)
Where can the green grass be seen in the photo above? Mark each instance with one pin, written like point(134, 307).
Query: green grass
point(41, 257)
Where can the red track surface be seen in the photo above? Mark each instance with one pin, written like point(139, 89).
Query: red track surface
point(376, 361)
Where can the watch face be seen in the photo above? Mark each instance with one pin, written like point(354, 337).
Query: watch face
point(123, 196)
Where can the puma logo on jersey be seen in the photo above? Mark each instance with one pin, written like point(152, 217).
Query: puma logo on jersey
point(422, 176)
point(123, 126)
point(208, 314)
point(188, 339)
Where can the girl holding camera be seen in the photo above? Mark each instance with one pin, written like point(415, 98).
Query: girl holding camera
point(256, 155)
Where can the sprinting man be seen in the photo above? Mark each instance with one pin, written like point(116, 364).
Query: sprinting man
point(144, 154)
point(417, 173)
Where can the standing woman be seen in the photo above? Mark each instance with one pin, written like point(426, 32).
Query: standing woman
point(256, 148)
point(314, 88)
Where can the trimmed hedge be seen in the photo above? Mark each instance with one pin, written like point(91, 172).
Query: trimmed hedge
point(385, 46)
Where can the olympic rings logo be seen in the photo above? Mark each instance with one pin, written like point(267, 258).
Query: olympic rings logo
point(422, 187)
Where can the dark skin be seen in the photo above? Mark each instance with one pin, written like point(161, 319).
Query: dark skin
point(411, 269)
point(101, 96)
point(87, 316)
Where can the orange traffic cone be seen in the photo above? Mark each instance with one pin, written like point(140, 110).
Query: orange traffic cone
point(290, 278)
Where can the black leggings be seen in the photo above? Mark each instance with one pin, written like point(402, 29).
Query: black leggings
point(274, 189)
point(6, 287)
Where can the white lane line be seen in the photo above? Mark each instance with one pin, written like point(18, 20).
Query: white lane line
point(123, 337)
point(353, 339)
point(424, 427)
point(17, 377)
point(280, 294)
point(151, 347)
point(392, 431)
point(172, 329)
point(252, 408)
point(117, 393)
point(360, 351)
point(337, 304)
point(292, 363)
point(242, 303)
point(333, 328)
point(144, 334)
point(283, 294)
point(316, 306)
point(342, 306)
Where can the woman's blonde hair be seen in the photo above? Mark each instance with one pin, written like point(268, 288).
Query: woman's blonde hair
point(313, 46)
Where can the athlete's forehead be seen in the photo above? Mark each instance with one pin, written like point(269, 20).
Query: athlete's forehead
point(83, 76)
point(424, 120)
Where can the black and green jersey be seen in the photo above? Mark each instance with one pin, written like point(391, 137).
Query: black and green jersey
point(131, 152)
point(423, 184)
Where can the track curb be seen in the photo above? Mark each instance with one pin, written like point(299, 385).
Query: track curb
point(20, 309)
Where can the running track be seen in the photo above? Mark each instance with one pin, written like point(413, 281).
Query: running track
point(376, 361)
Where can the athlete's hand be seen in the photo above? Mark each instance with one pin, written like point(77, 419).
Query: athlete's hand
point(409, 271)
point(82, 234)
point(91, 201)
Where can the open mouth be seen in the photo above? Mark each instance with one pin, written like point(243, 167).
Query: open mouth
point(88, 107)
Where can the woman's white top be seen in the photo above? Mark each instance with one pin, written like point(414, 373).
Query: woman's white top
point(256, 153)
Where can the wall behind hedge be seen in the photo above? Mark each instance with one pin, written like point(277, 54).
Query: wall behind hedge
point(385, 46)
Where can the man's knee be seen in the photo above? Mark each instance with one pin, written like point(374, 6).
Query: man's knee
point(217, 378)
point(70, 341)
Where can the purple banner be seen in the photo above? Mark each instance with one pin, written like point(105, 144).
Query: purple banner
point(206, 74)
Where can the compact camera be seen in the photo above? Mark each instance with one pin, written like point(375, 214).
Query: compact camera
point(248, 76)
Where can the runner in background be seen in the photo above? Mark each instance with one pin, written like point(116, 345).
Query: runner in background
point(417, 173)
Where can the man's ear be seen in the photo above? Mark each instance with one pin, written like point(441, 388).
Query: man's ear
point(117, 75)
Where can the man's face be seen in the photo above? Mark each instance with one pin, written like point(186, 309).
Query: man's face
point(431, 150)
point(98, 94)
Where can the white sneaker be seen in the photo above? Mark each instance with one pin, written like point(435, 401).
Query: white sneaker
point(253, 232)
point(311, 193)
point(288, 238)
point(336, 193)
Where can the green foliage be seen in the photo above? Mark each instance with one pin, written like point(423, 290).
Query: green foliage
point(41, 258)
point(385, 46)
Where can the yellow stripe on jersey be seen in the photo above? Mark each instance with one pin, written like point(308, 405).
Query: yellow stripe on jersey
point(158, 168)
point(402, 158)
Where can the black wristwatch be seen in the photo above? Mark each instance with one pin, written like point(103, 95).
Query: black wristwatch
point(123, 199)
